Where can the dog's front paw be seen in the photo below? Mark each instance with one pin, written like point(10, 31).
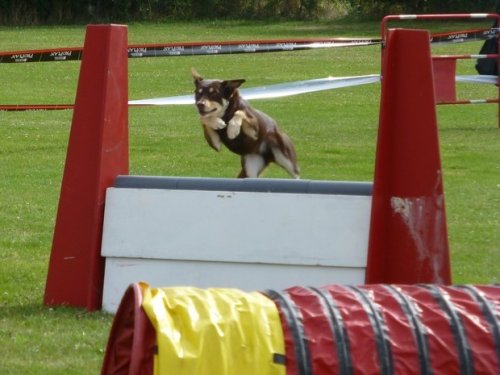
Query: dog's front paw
point(213, 123)
point(233, 130)
point(219, 123)
point(251, 132)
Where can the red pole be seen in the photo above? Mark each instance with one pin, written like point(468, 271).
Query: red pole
point(408, 240)
point(97, 153)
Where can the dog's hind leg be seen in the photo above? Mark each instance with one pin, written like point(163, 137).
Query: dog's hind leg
point(252, 165)
point(284, 155)
point(286, 163)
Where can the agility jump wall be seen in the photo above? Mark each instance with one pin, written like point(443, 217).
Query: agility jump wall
point(404, 238)
point(242, 233)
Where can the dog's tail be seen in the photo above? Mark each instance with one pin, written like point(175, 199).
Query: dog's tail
point(284, 153)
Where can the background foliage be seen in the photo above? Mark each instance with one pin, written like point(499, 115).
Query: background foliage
point(34, 12)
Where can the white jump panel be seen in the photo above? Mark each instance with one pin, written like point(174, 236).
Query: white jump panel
point(245, 240)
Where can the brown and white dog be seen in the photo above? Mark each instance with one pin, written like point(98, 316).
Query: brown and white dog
point(228, 119)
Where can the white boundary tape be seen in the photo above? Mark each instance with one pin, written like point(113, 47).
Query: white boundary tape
point(300, 87)
point(265, 92)
point(274, 91)
point(477, 79)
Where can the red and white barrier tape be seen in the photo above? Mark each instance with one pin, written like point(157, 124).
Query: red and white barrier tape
point(191, 49)
point(231, 47)
point(464, 36)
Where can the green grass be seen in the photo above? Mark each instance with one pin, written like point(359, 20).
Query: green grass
point(334, 132)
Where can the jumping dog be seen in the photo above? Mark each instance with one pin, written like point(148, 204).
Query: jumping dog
point(228, 119)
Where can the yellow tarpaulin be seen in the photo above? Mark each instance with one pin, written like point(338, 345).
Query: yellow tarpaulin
point(214, 331)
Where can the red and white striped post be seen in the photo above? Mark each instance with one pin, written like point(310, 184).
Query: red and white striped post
point(446, 94)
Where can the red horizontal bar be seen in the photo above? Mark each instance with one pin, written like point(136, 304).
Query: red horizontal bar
point(440, 16)
point(35, 107)
point(471, 56)
point(471, 101)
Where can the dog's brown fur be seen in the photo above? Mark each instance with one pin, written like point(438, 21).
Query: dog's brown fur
point(228, 119)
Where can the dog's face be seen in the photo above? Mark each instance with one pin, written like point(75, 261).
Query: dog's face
point(212, 97)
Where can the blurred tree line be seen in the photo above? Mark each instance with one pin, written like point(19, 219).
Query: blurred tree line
point(35, 12)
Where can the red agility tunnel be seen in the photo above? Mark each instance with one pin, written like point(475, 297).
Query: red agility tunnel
point(391, 329)
point(339, 329)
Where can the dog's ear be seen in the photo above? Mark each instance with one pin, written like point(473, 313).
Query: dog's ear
point(196, 76)
point(231, 86)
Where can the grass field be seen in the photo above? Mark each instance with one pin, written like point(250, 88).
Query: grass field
point(334, 132)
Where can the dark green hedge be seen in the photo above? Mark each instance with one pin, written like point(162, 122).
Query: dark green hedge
point(380, 8)
point(32, 12)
